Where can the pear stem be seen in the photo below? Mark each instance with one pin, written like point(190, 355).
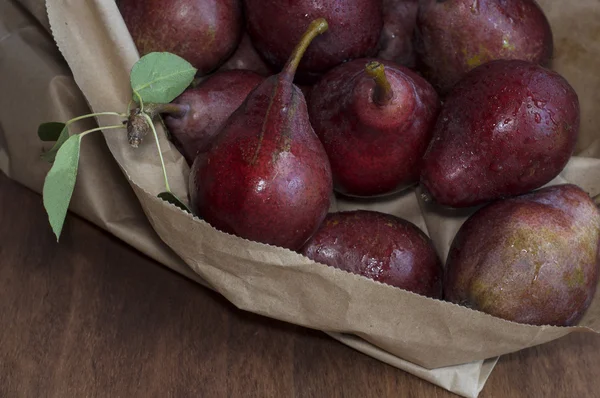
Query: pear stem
point(174, 110)
point(383, 93)
point(316, 27)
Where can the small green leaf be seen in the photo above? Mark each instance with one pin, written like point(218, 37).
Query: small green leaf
point(60, 182)
point(174, 200)
point(50, 131)
point(62, 138)
point(160, 77)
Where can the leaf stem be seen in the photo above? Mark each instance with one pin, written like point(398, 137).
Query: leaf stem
point(95, 114)
point(131, 102)
point(141, 102)
point(162, 161)
point(120, 126)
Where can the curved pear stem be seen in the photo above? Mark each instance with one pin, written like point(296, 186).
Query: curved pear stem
point(383, 93)
point(316, 27)
point(174, 110)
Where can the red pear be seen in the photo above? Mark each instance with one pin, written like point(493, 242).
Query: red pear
point(379, 246)
point(196, 116)
point(375, 119)
point(266, 176)
point(203, 32)
point(455, 36)
point(276, 26)
point(532, 259)
point(505, 129)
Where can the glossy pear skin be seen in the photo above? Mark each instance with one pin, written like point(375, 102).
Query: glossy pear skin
point(203, 32)
point(276, 26)
point(266, 176)
point(373, 149)
point(378, 246)
point(532, 259)
point(455, 36)
point(399, 22)
point(507, 128)
point(209, 104)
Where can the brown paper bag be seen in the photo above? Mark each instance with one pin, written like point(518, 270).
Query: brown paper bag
point(261, 278)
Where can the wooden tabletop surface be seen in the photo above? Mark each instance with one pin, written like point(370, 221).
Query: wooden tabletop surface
point(92, 317)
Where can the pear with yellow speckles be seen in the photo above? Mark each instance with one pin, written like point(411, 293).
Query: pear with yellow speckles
point(455, 36)
point(532, 259)
point(266, 176)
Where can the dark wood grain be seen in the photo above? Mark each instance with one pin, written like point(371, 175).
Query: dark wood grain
point(91, 317)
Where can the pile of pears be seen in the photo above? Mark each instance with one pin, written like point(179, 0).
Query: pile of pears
point(300, 101)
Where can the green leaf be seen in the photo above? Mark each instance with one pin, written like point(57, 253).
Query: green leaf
point(50, 131)
point(160, 77)
point(60, 182)
point(174, 200)
point(62, 138)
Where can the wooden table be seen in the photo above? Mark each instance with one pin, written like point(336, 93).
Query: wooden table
point(92, 317)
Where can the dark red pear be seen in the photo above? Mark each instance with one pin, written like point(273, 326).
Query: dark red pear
point(196, 116)
point(266, 176)
point(399, 22)
point(532, 259)
point(455, 36)
point(375, 119)
point(379, 246)
point(203, 32)
point(505, 129)
point(276, 26)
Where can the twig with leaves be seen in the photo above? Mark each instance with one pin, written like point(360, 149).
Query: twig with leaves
point(157, 78)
